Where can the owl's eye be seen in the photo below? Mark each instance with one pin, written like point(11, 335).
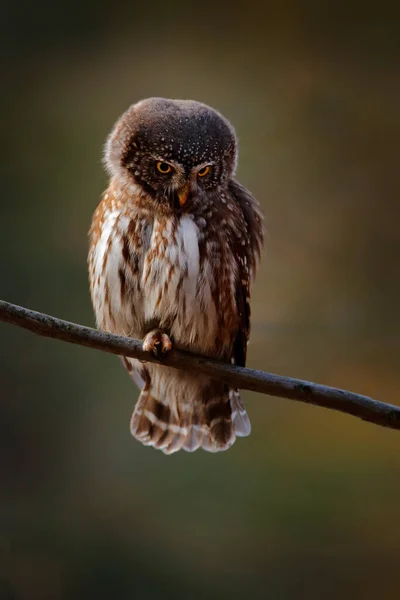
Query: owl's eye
point(203, 172)
point(164, 167)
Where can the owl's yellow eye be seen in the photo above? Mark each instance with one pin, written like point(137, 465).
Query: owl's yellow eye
point(164, 167)
point(203, 172)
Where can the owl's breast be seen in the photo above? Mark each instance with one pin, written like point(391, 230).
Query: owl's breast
point(179, 284)
point(164, 272)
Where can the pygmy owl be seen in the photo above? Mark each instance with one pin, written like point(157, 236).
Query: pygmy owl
point(174, 245)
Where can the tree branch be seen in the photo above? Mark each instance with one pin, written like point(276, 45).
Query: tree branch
point(385, 415)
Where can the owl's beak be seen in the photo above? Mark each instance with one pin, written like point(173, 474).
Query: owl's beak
point(183, 194)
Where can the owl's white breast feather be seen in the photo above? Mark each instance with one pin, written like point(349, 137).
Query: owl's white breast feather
point(107, 262)
point(102, 256)
point(189, 233)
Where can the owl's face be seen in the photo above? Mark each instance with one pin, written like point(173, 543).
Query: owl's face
point(177, 151)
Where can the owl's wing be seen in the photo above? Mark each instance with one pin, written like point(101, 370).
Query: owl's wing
point(248, 257)
point(253, 218)
point(243, 333)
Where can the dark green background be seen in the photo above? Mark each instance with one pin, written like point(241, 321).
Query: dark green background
point(307, 507)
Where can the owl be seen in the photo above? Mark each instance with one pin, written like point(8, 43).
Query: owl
point(174, 245)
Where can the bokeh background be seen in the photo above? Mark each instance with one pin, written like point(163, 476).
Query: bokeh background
point(307, 507)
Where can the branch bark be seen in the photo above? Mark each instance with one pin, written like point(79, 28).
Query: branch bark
point(379, 413)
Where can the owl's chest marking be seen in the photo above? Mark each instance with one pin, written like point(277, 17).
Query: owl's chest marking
point(107, 275)
point(178, 285)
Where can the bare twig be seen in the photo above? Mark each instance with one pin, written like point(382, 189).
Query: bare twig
point(365, 408)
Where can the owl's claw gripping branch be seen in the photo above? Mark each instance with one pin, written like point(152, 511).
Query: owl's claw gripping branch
point(158, 343)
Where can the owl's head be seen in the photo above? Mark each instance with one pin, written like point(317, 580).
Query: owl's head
point(174, 150)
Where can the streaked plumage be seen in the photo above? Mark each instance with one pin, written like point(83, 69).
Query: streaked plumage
point(172, 256)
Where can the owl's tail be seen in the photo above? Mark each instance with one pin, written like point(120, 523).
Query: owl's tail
point(210, 423)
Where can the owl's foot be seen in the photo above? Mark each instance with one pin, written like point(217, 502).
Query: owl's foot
point(158, 343)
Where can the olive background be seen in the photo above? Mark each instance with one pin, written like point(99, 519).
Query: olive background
point(307, 506)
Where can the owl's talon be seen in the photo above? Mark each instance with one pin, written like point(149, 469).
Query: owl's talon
point(157, 343)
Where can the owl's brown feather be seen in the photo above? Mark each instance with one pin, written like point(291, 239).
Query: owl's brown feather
point(183, 269)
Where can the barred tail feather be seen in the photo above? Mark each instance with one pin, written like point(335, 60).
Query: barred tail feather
point(197, 431)
point(240, 418)
point(211, 423)
point(218, 420)
point(154, 424)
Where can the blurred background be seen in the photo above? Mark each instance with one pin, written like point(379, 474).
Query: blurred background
point(307, 506)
